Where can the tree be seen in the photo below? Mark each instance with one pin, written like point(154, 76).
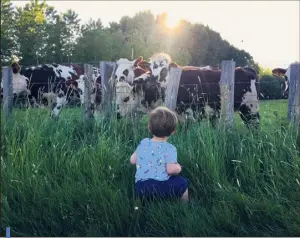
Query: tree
point(9, 44)
point(71, 27)
point(31, 31)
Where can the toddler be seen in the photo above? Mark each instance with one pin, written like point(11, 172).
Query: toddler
point(156, 160)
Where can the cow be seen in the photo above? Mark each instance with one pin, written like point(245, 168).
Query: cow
point(280, 72)
point(198, 89)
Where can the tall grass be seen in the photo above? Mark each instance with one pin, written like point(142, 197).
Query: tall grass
point(67, 178)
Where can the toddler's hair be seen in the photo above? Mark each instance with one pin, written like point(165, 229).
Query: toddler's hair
point(162, 122)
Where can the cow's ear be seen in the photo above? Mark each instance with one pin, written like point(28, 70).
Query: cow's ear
point(137, 61)
point(174, 65)
point(144, 65)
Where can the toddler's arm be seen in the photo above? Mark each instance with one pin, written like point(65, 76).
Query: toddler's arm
point(133, 158)
point(173, 168)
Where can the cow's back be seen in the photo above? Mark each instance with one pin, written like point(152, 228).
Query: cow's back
point(199, 87)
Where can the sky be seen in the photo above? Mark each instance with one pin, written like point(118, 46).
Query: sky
point(268, 30)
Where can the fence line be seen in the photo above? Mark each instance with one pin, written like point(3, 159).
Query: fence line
point(107, 70)
point(7, 92)
point(293, 114)
point(88, 75)
point(227, 91)
point(172, 88)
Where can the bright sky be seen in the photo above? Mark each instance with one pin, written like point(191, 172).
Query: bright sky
point(268, 30)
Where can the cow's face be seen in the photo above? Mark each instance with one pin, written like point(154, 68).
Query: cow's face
point(60, 101)
point(80, 88)
point(125, 69)
point(249, 106)
point(159, 64)
point(126, 100)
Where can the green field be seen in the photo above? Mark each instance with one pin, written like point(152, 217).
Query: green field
point(68, 178)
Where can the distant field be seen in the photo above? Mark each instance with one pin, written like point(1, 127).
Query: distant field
point(67, 178)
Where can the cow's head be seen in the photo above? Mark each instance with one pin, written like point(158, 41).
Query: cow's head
point(145, 94)
point(246, 82)
point(159, 64)
point(128, 70)
point(127, 101)
point(60, 99)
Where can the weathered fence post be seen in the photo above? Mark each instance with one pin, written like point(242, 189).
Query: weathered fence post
point(172, 88)
point(88, 82)
point(227, 92)
point(107, 70)
point(7, 92)
point(293, 114)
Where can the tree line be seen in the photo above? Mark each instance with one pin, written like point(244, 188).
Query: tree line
point(37, 33)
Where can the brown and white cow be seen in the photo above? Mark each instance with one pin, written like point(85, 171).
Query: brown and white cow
point(199, 90)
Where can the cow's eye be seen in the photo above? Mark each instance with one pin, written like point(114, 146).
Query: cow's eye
point(155, 66)
point(126, 99)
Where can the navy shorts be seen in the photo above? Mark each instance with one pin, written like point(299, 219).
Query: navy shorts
point(175, 186)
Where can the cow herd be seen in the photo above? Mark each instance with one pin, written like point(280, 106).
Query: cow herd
point(52, 84)
point(140, 86)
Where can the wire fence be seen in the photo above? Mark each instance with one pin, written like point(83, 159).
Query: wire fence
point(205, 98)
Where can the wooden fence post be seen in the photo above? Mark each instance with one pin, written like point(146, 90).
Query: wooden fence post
point(7, 92)
point(227, 91)
point(88, 79)
point(172, 88)
point(293, 114)
point(107, 70)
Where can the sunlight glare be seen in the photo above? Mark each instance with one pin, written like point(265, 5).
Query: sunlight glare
point(171, 21)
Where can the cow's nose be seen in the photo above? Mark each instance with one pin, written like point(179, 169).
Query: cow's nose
point(118, 115)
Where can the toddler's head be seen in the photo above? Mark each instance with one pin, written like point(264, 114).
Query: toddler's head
point(162, 122)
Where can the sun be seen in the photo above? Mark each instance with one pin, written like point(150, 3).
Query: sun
point(171, 21)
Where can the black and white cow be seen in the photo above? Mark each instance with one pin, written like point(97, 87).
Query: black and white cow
point(199, 90)
point(49, 83)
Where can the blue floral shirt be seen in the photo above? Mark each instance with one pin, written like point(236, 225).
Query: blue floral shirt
point(152, 158)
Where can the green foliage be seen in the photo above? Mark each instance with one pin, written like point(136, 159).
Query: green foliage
point(271, 87)
point(65, 179)
point(9, 44)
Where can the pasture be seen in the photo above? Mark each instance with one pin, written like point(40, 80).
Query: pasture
point(70, 178)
